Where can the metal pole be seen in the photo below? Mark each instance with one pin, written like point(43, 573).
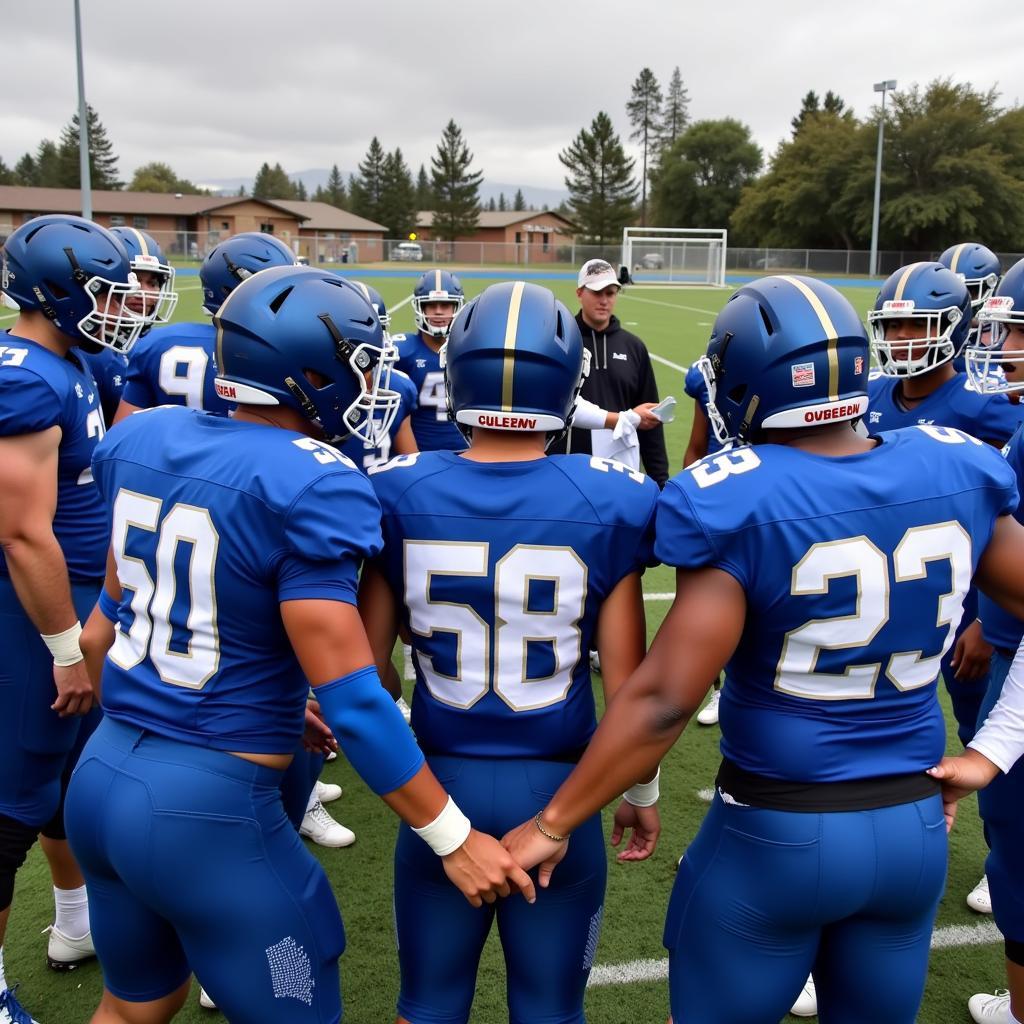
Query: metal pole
point(83, 124)
point(881, 87)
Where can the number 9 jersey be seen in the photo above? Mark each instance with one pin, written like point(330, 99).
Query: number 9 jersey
point(215, 523)
point(854, 570)
point(501, 569)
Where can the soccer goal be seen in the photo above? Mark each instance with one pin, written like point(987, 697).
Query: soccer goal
point(675, 256)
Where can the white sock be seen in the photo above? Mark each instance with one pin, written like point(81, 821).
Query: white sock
point(72, 917)
point(311, 802)
point(3, 980)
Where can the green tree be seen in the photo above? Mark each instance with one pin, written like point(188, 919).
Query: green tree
point(456, 187)
point(102, 160)
point(25, 170)
point(502, 202)
point(333, 192)
point(675, 112)
point(518, 202)
point(398, 198)
point(159, 177)
point(804, 198)
point(7, 176)
point(50, 168)
point(299, 188)
point(491, 205)
point(602, 189)
point(644, 111)
point(272, 183)
point(424, 193)
point(809, 105)
point(366, 195)
point(701, 177)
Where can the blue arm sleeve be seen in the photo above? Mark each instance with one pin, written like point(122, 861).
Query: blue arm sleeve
point(370, 729)
point(108, 606)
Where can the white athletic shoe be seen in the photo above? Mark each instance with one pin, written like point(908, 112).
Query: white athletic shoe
point(327, 792)
point(595, 662)
point(205, 1001)
point(806, 1004)
point(978, 899)
point(11, 1011)
point(405, 709)
point(63, 953)
point(319, 826)
point(708, 715)
point(990, 1009)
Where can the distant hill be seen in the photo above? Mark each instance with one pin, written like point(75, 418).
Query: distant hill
point(317, 177)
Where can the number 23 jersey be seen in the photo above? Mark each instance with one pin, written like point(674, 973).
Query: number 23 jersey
point(502, 569)
point(854, 570)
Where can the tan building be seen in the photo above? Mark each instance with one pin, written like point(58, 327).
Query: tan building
point(330, 235)
point(501, 235)
point(186, 226)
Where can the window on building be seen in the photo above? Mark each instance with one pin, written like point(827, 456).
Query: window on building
point(224, 225)
point(519, 237)
point(546, 241)
point(140, 222)
point(267, 229)
point(116, 220)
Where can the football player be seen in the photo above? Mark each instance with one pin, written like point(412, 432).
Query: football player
point(71, 280)
point(980, 268)
point(919, 323)
point(175, 364)
point(503, 566)
point(826, 571)
point(436, 300)
point(229, 590)
point(998, 366)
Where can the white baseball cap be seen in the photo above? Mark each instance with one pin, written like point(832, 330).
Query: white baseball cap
point(597, 275)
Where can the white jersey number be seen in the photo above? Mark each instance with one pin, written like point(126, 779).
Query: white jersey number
point(188, 385)
point(859, 558)
point(432, 394)
point(152, 599)
point(516, 624)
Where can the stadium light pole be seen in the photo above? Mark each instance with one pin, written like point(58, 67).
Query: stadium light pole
point(83, 124)
point(881, 87)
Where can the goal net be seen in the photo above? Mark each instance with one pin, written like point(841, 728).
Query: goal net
point(675, 256)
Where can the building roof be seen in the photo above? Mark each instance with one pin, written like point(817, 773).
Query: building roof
point(324, 217)
point(497, 218)
point(69, 200)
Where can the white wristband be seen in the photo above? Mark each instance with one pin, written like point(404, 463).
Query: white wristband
point(643, 794)
point(64, 646)
point(447, 832)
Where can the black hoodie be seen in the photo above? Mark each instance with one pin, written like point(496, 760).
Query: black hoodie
point(621, 377)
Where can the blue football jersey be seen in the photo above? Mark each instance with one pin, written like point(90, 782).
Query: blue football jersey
point(848, 564)
point(430, 423)
point(501, 570)
point(356, 449)
point(215, 523)
point(39, 390)
point(109, 369)
point(999, 627)
point(992, 418)
point(695, 387)
point(175, 365)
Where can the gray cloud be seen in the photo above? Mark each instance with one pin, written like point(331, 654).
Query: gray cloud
point(216, 88)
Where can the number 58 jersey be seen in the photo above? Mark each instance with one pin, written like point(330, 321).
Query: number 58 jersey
point(216, 522)
point(854, 570)
point(502, 569)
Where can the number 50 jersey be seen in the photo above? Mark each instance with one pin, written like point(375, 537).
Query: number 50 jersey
point(216, 522)
point(855, 570)
point(502, 569)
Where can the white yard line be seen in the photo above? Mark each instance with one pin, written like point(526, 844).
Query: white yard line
point(671, 305)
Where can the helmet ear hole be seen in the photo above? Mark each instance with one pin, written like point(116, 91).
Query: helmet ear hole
point(766, 319)
point(738, 394)
point(56, 290)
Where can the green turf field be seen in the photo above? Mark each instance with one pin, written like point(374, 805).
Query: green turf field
point(675, 324)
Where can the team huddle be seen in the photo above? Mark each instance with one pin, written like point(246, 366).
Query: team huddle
point(289, 489)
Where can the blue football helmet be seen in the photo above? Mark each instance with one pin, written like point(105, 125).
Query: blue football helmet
point(925, 293)
point(147, 257)
point(436, 286)
point(78, 275)
point(988, 357)
point(514, 361)
point(785, 352)
point(236, 259)
point(978, 265)
point(375, 299)
point(282, 324)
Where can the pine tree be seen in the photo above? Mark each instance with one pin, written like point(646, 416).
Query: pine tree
point(25, 170)
point(833, 103)
point(808, 106)
point(50, 168)
point(675, 114)
point(602, 189)
point(102, 161)
point(491, 204)
point(502, 202)
point(519, 203)
point(644, 110)
point(273, 183)
point(299, 189)
point(241, 191)
point(366, 190)
point(424, 192)
point(398, 198)
point(7, 176)
point(456, 187)
point(334, 192)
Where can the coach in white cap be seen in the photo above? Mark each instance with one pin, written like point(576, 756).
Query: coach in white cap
point(621, 377)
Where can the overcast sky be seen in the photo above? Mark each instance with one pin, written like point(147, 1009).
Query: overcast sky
point(215, 87)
